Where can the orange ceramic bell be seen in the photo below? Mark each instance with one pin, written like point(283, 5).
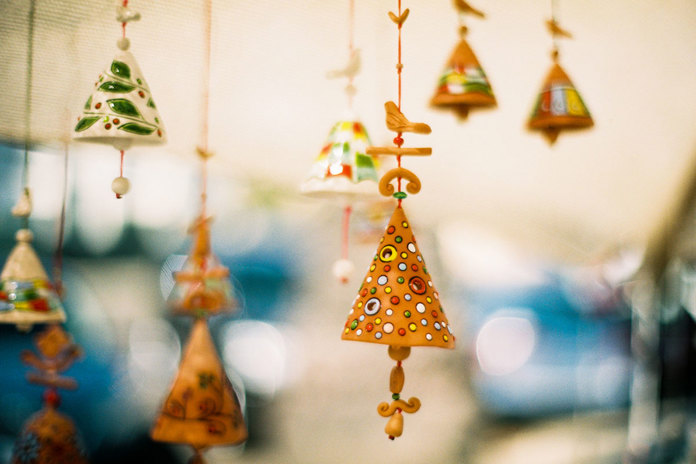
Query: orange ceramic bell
point(559, 106)
point(201, 408)
point(463, 84)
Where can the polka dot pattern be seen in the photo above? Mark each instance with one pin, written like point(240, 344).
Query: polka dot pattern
point(397, 303)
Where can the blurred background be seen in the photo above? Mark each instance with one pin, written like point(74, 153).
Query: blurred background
point(568, 273)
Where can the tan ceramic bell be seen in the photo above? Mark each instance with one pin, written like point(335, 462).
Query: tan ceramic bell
point(463, 84)
point(559, 106)
point(201, 409)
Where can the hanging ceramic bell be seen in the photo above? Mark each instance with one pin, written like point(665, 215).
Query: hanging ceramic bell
point(559, 106)
point(121, 111)
point(463, 84)
point(201, 409)
point(27, 296)
point(343, 168)
point(203, 285)
point(50, 437)
point(397, 305)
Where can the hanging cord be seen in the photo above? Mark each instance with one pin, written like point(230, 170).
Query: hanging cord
point(27, 108)
point(123, 24)
point(205, 107)
point(351, 50)
point(554, 36)
point(58, 255)
point(346, 230)
point(399, 140)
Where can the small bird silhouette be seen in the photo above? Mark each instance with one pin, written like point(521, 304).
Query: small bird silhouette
point(350, 70)
point(557, 30)
point(464, 7)
point(397, 122)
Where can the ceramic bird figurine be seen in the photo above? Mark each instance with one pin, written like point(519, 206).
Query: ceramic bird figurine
point(350, 70)
point(557, 30)
point(397, 122)
point(464, 7)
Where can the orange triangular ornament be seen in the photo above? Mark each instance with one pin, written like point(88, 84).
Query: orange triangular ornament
point(397, 303)
point(201, 409)
point(463, 84)
point(559, 106)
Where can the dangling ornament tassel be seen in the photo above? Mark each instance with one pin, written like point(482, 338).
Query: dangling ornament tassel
point(120, 185)
point(395, 426)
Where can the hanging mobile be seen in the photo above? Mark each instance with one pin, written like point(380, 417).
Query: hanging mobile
point(121, 111)
point(27, 296)
point(463, 84)
point(397, 304)
point(201, 409)
point(559, 106)
point(50, 437)
point(343, 170)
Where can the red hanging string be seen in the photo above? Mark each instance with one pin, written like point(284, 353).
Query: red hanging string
point(123, 25)
point(121, 171)
point(206, 103)
point(399, 66)
point(346, 230)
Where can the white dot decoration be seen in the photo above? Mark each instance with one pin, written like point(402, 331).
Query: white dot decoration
point(382, 280)
point(424, 322)
point(378, 335)
point(449, 329)
point(362, 317)
point(369, 279)
point(428, 337)
point(388, 328)
point(430, 283)
point(389, 312)
point(402, 266)
point(420, 260)
point(420, 307)
point(411, 247)
point(358, 332)
point(407, 297)
point(437, 326)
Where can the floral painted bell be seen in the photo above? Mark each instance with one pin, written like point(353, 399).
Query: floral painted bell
point(49, 436)
point(558, 106)
point(463, 83)
point(201, 408)
point(27, 296)
point(121, 110)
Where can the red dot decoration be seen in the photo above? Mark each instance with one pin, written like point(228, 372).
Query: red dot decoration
point(414, 267)
point(391, 229)
point(434, 313)
point(402, 332)
point(369, 327)
point(97, 106)
point(117, 121)
point(394, 300)
point(107, 126)
point(387, 268)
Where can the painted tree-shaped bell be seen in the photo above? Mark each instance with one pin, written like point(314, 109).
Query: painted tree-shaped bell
point(27, 296)
point(397, 303)
point(50, 437)
point(121, 110)
point(203, 285)
point(463, 83)
point(201, 408)
point(558, 106)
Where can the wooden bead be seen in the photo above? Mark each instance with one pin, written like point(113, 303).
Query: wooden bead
point(395, 426)
point(396, 379)
point(399, 353)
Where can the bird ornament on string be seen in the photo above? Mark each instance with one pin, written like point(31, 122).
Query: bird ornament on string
point(397, 304)
point(463, 84)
